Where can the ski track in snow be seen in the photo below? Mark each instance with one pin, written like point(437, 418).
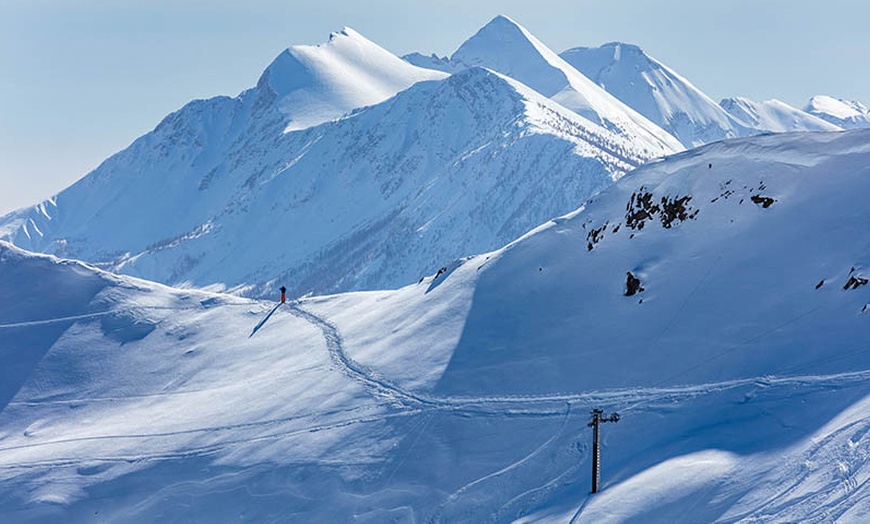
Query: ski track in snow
point(398, 402)
point(98, 314)
point(208, 449)
point(410, 403)
point(630, 399)
point(379, 386)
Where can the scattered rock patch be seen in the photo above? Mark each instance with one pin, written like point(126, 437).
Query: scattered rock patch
point(764, 201)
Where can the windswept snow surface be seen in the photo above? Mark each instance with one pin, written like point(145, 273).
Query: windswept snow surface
point(505, 46)
point(219, 195)
point(774, 116)
point(740, 370)
point(848, 114)
point(317, 83)
point(655, 91)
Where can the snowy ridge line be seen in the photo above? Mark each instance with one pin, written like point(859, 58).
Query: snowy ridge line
point(635, 396)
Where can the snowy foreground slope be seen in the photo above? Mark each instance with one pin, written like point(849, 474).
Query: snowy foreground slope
point(222, 194)
point(740, 370)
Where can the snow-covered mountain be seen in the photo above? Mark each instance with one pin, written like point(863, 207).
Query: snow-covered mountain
point(655, 91)
point(848, 114)
point(226, 193)
point(738, 362)
point(313, 84)
point(774, 116)
point(505, 46)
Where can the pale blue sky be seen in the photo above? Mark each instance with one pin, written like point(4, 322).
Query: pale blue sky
point(81, 79)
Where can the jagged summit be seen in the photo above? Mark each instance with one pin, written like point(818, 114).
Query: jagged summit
point(848, 114)
point(507, 47)
point(313, 84)
point(656, 91)
point(774, 116)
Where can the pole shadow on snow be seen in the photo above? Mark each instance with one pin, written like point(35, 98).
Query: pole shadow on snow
point(265, 319)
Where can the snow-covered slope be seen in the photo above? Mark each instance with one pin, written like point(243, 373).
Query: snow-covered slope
point(505, 46)
point(774, 116)
point(655, 91)
point(739, 370)
point(313, 84)
point(848, 114)
point(220, 194)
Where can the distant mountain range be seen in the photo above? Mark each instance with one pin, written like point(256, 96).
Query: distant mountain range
point(347, 168)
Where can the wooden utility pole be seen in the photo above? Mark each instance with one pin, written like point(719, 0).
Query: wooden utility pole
point(597, 418)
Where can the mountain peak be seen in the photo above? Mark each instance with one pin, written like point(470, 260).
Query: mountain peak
point(507, 47)
point(773, 116)
point(849, 114)
point(312, 84)
point(511, 49)
point(654, 90)
point(503, 23)
point(622, 47)
point(346, 31)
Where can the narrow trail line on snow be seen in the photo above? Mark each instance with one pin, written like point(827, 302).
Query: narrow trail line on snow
point(380, 386)
point(630, 398)
point(97, 314)
point(55, 320)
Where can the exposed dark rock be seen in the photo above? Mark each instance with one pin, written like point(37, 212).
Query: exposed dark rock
point(594, 236)
point(855, 282)
point(640, 208)
point(670, 210)
point(820, 284)
point(632, 284)
point(763, 201)
point(676, 209)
